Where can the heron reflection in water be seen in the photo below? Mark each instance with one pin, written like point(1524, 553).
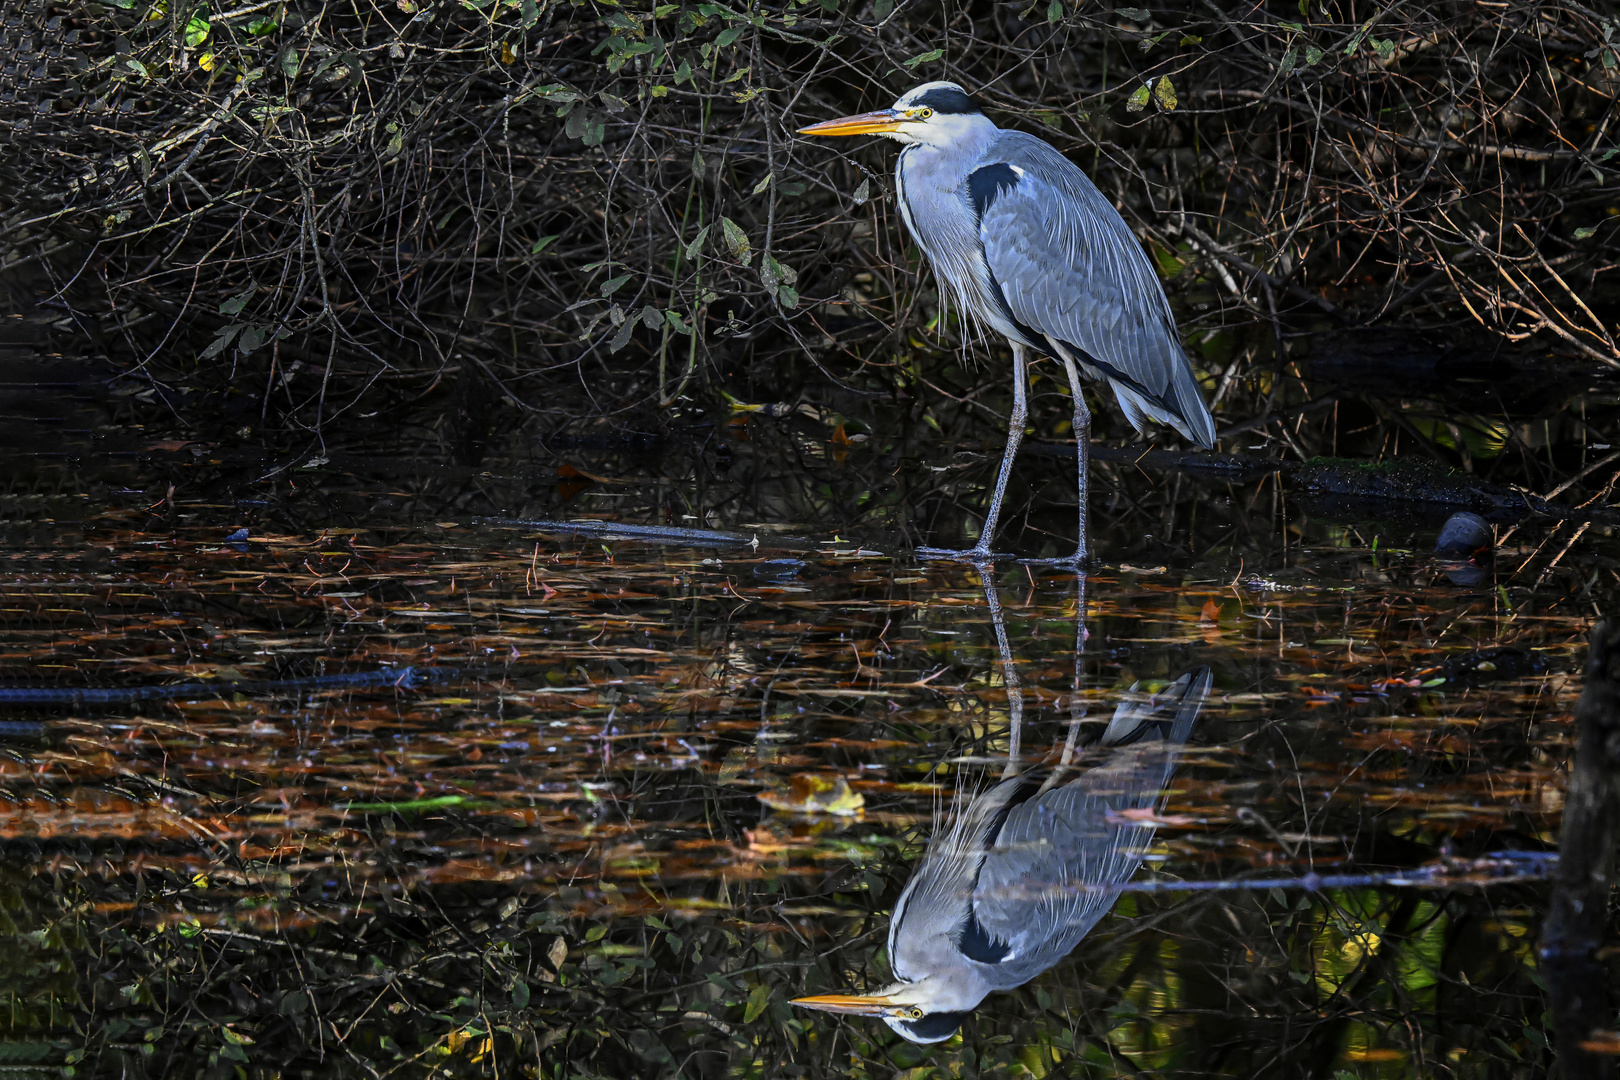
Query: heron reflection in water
point(1029, 867)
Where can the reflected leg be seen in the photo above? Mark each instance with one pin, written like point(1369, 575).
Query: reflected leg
point(980, 552)
point(1009, 674)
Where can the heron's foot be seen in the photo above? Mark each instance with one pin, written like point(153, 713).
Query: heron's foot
point(975, 555)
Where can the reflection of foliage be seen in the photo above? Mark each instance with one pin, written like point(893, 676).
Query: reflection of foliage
point(39, 936)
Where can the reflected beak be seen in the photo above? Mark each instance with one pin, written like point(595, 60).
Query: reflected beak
point(872, 123)
point(846, 1003)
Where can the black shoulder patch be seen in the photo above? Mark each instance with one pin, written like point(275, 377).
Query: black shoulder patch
point(978, 945)
point(947, 99)
point(936, 1027)
point(986, 185)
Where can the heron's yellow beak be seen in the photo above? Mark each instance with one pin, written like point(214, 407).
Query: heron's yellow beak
point(872, 123)
point(847, 1003)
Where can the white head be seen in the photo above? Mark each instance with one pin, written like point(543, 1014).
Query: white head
point(936, 114)
point(927, 1011)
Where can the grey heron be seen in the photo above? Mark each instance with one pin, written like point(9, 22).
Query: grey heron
point(1025, 871)
point(1025, 244)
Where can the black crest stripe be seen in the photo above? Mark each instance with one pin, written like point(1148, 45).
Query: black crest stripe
point(947, 99)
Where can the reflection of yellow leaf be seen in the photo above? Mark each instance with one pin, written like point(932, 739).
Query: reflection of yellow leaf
point(811, 793)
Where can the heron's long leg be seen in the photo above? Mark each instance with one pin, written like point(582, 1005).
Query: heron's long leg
point(980, 552)
point(1015, 435)
point(1082, 455)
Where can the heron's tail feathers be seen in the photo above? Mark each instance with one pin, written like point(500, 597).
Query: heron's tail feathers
point(1182, 409)
point(1167, 715)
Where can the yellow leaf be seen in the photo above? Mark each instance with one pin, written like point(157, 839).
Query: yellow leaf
point(206, 61)
point(1164, 92)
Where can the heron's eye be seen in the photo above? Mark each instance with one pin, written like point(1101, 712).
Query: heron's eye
point(914, 1012)
point(923, 113)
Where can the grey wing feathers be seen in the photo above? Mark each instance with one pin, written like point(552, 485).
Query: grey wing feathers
point(1026, 892)
point(1071, 269)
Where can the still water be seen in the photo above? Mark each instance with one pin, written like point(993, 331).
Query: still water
point(334, 765)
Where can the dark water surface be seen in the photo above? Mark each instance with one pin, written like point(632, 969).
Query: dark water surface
point(434, 791)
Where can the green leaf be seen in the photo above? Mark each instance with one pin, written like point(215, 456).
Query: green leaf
point(520, 995)
point(222, 337)
point(138, 68)
point(235, 304)
point(252, 337)
point(1312, 55)
point(1134, 14)
point(1385, 49)
point(1287, 63)
point(1582, 234)
point(622, 338)
point(763, 184)
point(1138, 99)
point(863, 191)
point(262, 26)
point(1164, 92)
point(736, 240)
point(758, 998)
point(596, 933)
point(677, 324)
point(696, 245)
point(531, 16)
point(881, 9)
point(728, 36)
point(613, 285)
point(1054, 11)
point(1190, 39)
point(404, 805)
point(543, 243)
point(925, 58)
point(289, 63)
point(787, 296)
point(197, 31)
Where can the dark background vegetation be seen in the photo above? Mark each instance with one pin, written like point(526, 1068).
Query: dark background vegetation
point(522, 237)
point(286, 217)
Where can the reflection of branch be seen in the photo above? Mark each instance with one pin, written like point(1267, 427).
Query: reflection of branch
point(1577, 917)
